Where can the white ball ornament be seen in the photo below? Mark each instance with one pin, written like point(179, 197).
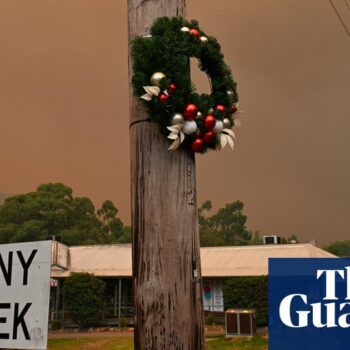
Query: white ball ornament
point(185, 29)
point(219, 126)
point(189, 127)
point(203, 39)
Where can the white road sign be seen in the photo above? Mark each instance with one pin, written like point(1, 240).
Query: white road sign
point(24, 294)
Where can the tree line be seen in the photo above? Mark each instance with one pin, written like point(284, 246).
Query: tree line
point(227, 227)
point(53, 211)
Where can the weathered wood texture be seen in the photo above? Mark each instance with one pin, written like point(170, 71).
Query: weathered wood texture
point(166, 256)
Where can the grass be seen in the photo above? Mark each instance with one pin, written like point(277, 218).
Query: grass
point(126, 343)
point(120, 343)
point(220, 343)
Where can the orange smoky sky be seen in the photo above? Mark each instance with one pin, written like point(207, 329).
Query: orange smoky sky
point(64, 107)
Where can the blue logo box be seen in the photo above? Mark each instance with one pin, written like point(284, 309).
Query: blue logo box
point(309, 304)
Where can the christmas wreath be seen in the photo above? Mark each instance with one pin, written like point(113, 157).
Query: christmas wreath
point(161, 78)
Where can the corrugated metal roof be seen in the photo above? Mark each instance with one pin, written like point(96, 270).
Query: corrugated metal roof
point(115, 260)
point(252, 260)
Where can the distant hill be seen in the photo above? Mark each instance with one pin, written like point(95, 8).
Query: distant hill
point(3, 196)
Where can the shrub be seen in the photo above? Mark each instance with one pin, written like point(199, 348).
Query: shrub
point(209, 321)
point(123, 323)
point(83, 296)
point(248, 292)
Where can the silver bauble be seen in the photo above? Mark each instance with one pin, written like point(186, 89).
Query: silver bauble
point(203, 39)
point(219, 125)
point(177, 119)
point(156, 78)
point(185, 29)
point(227, 123)
point(189, 127)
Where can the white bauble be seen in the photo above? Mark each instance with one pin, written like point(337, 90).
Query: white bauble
point(189, 127)
point(219, 126)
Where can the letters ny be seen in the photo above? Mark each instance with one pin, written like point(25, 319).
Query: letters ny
point(6, 280)
point(7, 264)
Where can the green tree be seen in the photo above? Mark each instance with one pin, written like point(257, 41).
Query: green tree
point(52, 210)
point(126, 236)
point(114, 227)
point(225, 227)
point(339, 248)
point(107, 212)
point(83, 297)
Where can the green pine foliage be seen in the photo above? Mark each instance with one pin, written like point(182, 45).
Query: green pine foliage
point(83, 297)
point(168, 51)
point(248, 292)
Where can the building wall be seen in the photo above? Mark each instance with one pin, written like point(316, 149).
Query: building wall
point(118, 304)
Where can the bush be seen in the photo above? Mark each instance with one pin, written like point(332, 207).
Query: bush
point(83, 296)
point(248, 292)
point(56, 325)
point(339, 248)
point(123, 323)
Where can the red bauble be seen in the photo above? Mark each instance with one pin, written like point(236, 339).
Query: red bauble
point(221, 108)
point(209, 122)
point(190, 111)
point(209, 136)
point(163, 97)
point(172, 88)
point(195, 32)
point(233, 109)
point(197, 145)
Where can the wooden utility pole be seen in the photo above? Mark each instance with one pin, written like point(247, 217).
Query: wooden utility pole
point(166, 255)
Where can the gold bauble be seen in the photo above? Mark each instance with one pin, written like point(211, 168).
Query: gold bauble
point(177, 119)
point(199, 115)
point(227, 123)
point(211, 111)
point(156, 78)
